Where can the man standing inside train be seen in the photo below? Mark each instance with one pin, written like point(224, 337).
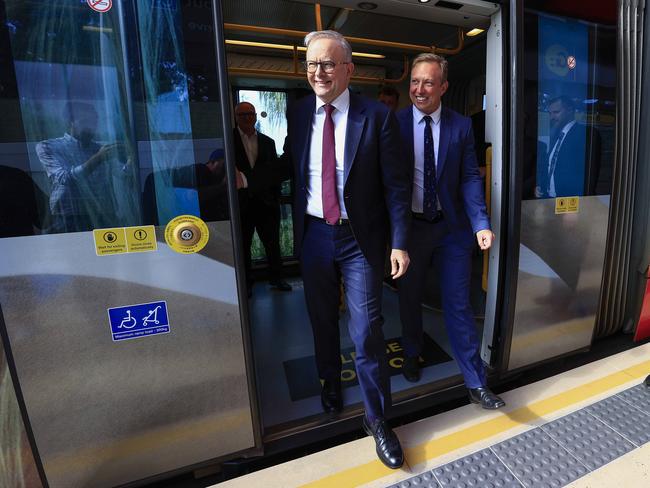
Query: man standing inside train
point(448, 218)
point(259, 197)
point(351, 194)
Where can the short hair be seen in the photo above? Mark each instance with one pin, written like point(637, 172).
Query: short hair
point(433, 58)
point(335, 36)
point(389, 91)
point(566, 102)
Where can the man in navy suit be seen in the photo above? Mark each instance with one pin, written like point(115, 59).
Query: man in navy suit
point(448, 218)
point(351, 195)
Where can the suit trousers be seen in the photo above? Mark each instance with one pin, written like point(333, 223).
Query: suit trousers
point(331, 253)
point(451, 255)
point(266, 220)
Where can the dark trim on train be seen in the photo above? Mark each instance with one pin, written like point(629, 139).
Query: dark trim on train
point(512, 175)
point(235, 225)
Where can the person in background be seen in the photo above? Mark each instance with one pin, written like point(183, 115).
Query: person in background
point(259, 195)
point(389, 96)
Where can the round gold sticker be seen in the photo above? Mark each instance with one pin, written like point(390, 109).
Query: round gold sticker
point(186, 234)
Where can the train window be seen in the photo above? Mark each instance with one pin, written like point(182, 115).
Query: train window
point(569, 134)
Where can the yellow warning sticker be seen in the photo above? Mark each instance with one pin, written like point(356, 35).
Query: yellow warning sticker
point(186, 234)
point(110, 241)
point(567, 205)
point(141, 238)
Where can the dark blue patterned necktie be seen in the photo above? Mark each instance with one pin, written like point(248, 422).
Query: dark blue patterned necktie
point(429, 201)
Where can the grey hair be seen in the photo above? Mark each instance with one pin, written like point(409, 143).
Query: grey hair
point(335, 36)
point(433, 58)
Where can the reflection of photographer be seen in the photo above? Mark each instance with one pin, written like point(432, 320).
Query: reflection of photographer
point(81, 173)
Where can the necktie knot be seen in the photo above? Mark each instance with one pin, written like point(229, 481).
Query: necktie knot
point(427, 119)
point(329, 108)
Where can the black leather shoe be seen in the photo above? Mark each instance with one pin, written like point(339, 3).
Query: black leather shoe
point(647, 381)
point(331, 397)
point(484, 397)
point(281, 285)
point(389, 450)
point(411, 369)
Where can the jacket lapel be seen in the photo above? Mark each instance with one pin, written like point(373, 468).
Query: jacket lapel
point(304, 141)
point(356, 123)
point(405, 118)
point(445, 135)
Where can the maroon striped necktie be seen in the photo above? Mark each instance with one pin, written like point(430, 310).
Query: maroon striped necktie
point(331, 209)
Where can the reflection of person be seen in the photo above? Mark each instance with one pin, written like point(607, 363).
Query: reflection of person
point(23, 206)
point(389, 96)
point(259, 198)
point(448, 206)
point(211, 185)
point(80, 173)
point(572, 163)
point(351, 194)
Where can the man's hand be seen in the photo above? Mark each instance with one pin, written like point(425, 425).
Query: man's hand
point(239, 180)
point(399, 262)
point(484, 238)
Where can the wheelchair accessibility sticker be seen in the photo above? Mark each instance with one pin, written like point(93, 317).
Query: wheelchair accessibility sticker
point(134, 321)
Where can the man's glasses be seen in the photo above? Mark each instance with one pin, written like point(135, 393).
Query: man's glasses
point(326, 66)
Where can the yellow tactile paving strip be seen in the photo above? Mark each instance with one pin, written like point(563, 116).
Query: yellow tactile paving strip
point(448, 436)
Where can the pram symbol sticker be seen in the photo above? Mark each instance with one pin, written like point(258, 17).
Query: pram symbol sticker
point(134, 321)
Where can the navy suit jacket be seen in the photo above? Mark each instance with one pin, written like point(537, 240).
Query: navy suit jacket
point(459, 184)
point(577, 166)
point(377, 191)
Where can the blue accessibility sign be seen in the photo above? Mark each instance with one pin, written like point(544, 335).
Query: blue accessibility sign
point(134, 321)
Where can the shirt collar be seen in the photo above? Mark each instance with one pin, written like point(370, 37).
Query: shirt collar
point(418, 114)
point(341, 103)
point(568, 127)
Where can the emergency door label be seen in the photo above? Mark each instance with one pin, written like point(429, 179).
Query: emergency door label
point(134, 321)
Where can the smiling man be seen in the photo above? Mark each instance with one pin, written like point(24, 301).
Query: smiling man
point(449, 219)
point(351, 195)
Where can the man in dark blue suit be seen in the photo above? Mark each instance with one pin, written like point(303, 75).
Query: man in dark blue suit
point(351, 195)
point(448, 217)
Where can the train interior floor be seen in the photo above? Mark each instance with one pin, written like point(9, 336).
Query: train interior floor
point(585, 427)
point(284, 353)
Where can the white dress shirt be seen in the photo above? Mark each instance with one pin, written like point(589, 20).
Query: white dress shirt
point(314, 172)
point(418, 147)
point(250, 146)
point(556, 148)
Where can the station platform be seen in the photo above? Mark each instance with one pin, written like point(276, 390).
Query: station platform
point(587, 427)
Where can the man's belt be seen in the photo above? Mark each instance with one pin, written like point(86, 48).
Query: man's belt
point(338, 222)
point(437, 217)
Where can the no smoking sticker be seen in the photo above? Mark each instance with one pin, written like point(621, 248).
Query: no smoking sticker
point(100, 6)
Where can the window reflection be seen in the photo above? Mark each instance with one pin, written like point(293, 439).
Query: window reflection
point(569, 108)
point(86, 177)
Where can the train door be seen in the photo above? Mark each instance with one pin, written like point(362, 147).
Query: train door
point(264, 53)
point(565, 177)
point(121, 319)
